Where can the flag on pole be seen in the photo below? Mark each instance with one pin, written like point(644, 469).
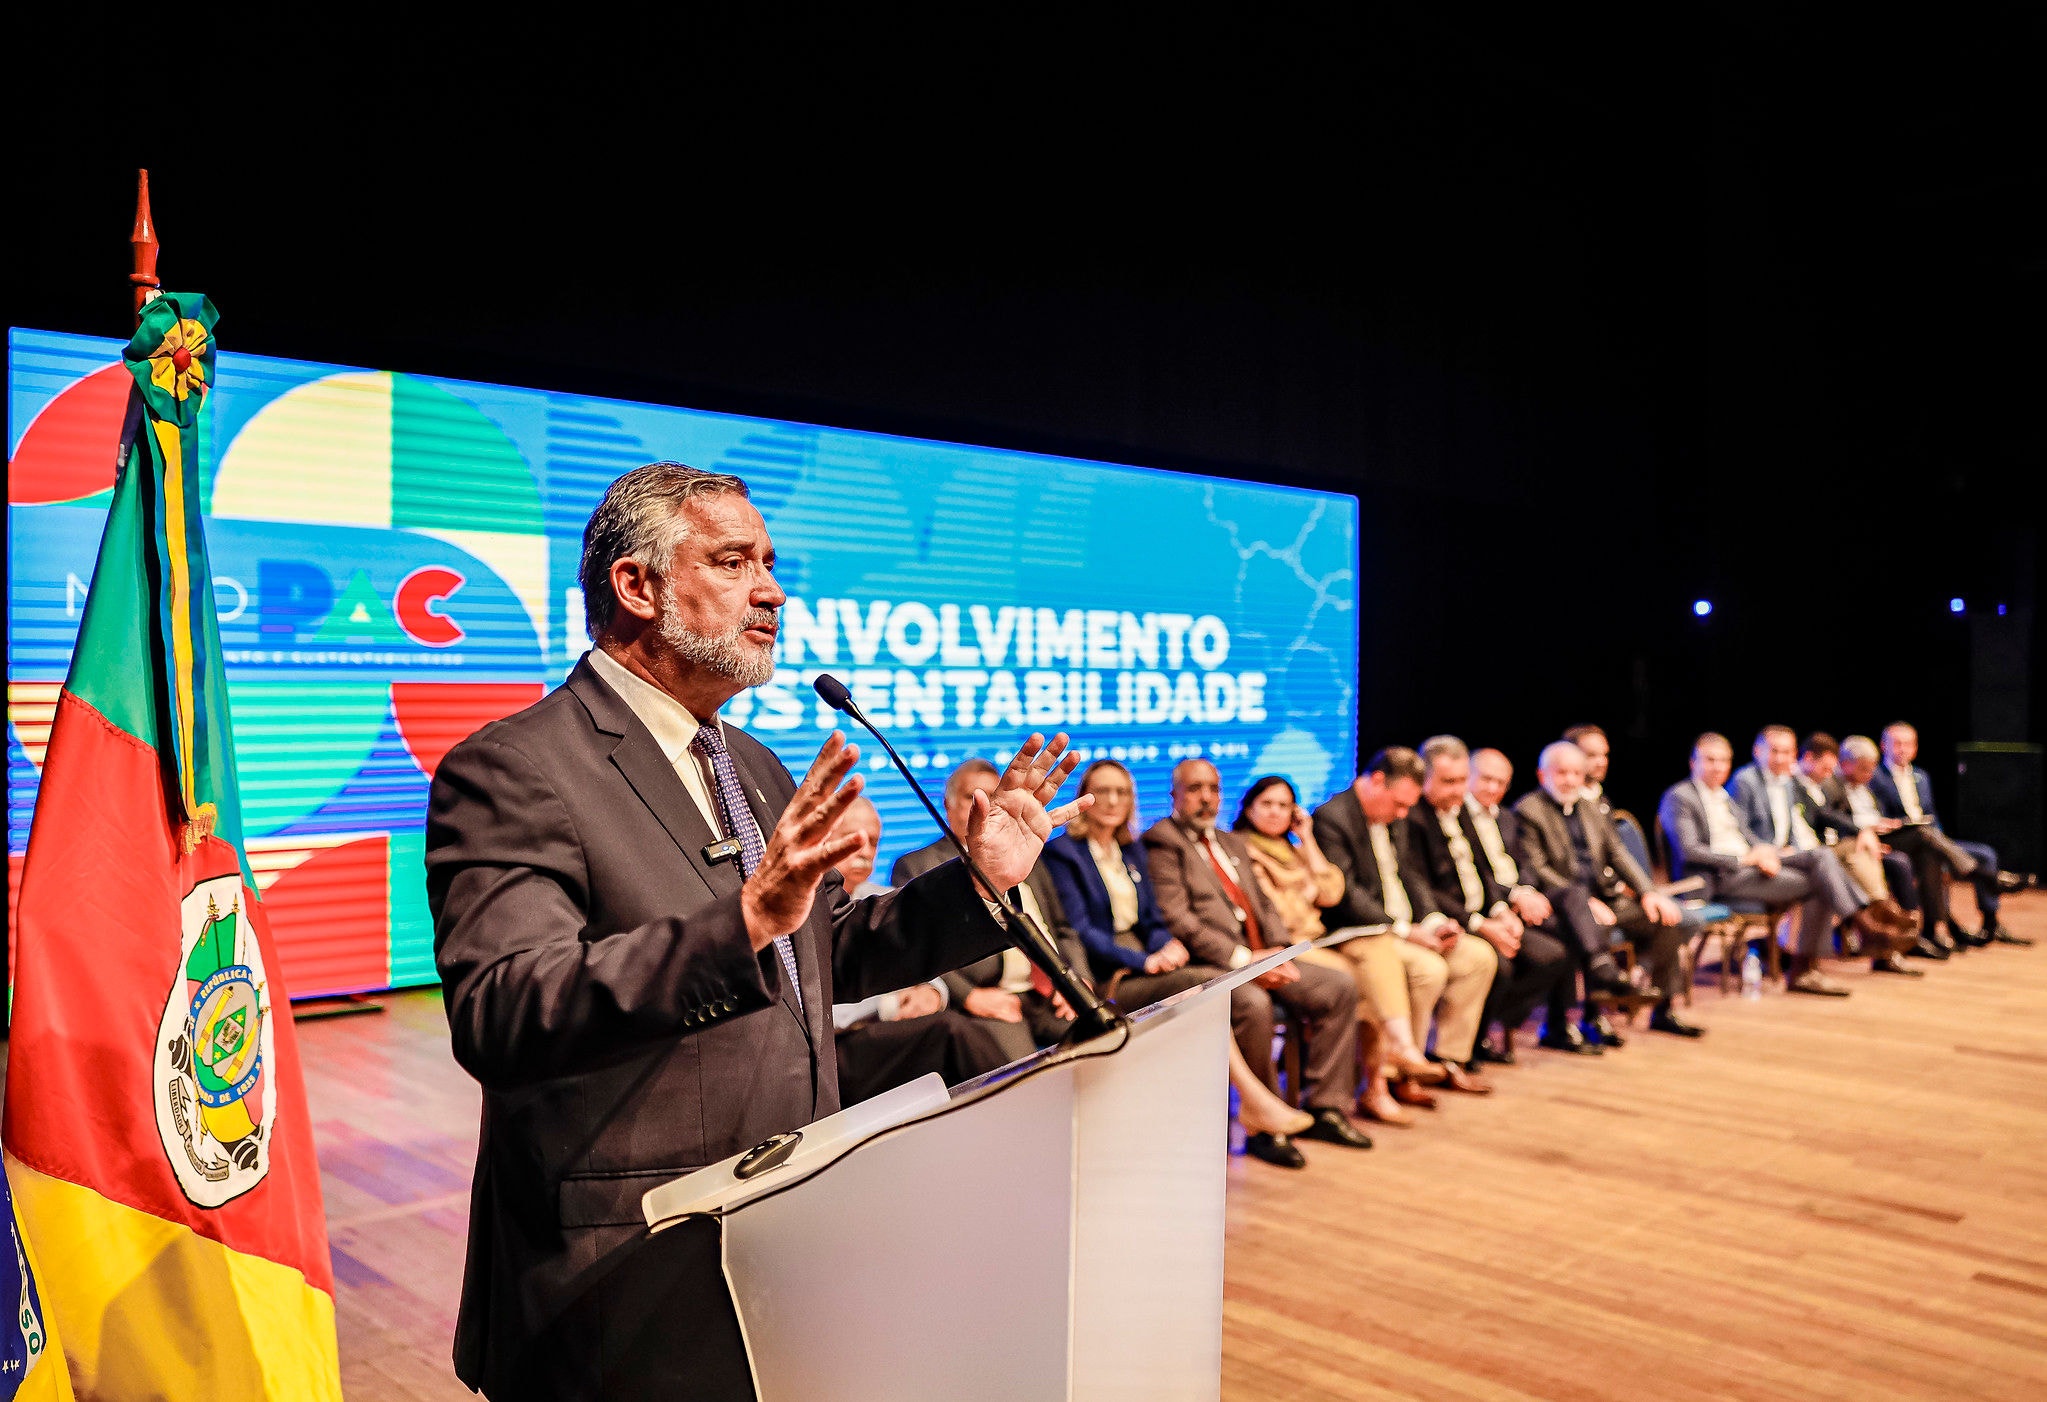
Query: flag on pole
point(156, 1133)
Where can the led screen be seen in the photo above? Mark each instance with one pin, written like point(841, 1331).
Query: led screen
point(395, 564)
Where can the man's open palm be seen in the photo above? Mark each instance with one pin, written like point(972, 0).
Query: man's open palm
point(1008, 828)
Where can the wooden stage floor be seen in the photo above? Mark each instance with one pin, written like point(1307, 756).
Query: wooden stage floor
point(1840, 1199)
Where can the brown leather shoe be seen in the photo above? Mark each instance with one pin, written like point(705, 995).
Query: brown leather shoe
point(1889, 921)
point(1408, 1093)
point(1470, 1082)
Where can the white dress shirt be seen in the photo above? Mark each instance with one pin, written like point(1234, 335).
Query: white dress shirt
point(1485, 822)
point(1862, 806)
point(1788, 825)
point(1723, 828)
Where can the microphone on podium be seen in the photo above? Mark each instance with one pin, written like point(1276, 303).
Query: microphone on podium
point(1092, 1017)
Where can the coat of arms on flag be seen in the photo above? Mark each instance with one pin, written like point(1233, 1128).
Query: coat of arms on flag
point(211, 1048)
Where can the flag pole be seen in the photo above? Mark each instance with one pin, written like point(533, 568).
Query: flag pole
point(144, 245)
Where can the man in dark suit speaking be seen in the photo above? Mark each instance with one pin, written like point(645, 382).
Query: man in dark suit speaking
point(641, 936)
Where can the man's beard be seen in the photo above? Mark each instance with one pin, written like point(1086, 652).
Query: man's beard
point(726, 654)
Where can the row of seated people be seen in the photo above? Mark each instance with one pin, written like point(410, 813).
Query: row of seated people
point(1469, 915)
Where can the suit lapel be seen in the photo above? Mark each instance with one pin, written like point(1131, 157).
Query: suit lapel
point(639, 760)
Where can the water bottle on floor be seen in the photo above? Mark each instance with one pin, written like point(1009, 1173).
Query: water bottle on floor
point(1237, 1135)
point(1752, 976)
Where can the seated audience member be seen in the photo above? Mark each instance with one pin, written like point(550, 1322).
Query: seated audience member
point(1098, 873)
point(1593, 743)
point(1364, 831)
point(1774, 805)
point(1535, 967)
point(1882, 873)
point(1209, 897)
point(1572, 855)
point(1922, 885)
point(893, 1038)
point(1301, 883)
point(1905, 794)
point(1711, 839)
point(1498, 833)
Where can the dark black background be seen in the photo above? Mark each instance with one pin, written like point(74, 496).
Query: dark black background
point(1595, 316)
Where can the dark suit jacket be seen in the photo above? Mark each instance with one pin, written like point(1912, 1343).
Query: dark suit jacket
point(1345, 838)
point(1827, 807)
point(1547, 861)
point(1432, 846)
point(1191, 898)
point(1509, 823)
point(911, 865)
point(986, 973)
point(600, 985)
point(1086, 902)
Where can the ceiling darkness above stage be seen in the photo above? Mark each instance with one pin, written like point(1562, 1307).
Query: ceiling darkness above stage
point(1771, 262)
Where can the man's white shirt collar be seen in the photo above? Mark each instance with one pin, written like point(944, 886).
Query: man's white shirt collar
point(669, 721)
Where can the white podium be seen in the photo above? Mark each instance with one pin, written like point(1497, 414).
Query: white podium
point(1053, 1230)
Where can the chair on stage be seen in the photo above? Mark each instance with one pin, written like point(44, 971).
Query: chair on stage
point(1733, 925)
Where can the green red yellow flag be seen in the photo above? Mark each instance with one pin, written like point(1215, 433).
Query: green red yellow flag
point(156, 1131)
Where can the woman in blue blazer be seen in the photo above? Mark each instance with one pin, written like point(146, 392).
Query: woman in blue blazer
point(1075, 859)
point(1135, 959)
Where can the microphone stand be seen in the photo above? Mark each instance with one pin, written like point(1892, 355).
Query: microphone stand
point(1092, 1017)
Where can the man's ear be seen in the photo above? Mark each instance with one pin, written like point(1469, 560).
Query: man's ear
point(637, 589)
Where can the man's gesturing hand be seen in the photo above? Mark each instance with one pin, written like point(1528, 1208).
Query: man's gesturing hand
point(775, 900)
point(1008, 827)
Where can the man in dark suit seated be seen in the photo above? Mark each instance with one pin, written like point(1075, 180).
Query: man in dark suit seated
point(1535, 967)
point(640, 937)
point(1775, 807)
point(1446, 972)
point(1497, 831)
point(1209, 897)
point(1905, 794)
point(893, 1038)
point(1005, 990)
point(1571, 853)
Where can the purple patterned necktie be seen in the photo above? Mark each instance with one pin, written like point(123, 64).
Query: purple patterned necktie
point(739, 823)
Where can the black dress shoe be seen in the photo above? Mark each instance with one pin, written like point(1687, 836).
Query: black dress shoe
point(1998, 934)
point(1568, 1039)
point(1968, 939)
point(1926, 949)
point(1275, 1149)
point(2016, 880)
point(1664, 1020)
point(1486, 1054)
point(1334, 1127)
point(1889, 964)
point(1598, 1029)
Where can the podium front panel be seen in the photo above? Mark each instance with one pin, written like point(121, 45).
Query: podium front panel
point(932, 1262)
point(1151, 1169)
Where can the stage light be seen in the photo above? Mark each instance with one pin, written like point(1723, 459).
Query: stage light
point(2000, 610)
point(1702, 607)
point(1955, 605)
